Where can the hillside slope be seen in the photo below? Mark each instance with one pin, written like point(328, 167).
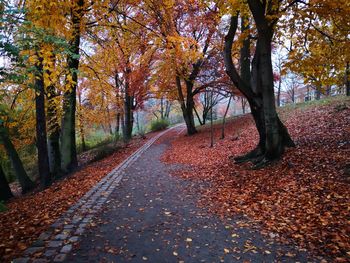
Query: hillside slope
point(303, 198)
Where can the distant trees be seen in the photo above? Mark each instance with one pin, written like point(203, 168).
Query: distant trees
point(318, 37)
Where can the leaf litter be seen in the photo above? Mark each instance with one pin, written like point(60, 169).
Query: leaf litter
point(303, 199)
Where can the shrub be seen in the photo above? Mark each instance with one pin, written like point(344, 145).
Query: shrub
point(103, 152)
point(2, 207)
point(158, 125)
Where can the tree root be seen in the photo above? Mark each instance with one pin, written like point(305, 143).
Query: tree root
point(263, 162)
point(248, 157)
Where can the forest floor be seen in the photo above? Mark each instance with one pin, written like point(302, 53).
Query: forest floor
point(303, 199)
point(29, 215)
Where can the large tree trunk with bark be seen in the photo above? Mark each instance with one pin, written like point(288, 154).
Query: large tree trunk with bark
point(191, 127)
point(189, 117)
point(5, 191)
point(187, 107)
point(274, 146)
point(128, 118)
point(41, 135)
point(277, 136)
point(22, 177)
point(53, 129)
point(259, 90)
point(128, 115)
point(53, 134)
point(68, 140)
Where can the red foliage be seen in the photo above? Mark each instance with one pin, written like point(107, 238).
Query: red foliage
point(304, 198)
point(28, 216)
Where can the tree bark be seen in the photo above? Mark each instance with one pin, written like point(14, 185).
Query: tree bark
point(317, 93)
point(109, 121)
point(161, 108)
point(5, 191)
point(117, 125)
point(81, 123)
point(259, 90)
point(279, 93)
point(41, 135)
point(224, 119)
point(186, 107)
point(198, 118)
point(167, 109)
point(211, 122)
point(276, 132)
point(53, 134)
point(68, 140)
point(53, 131)
point(128, 117)
point(347, 73)
point(22, 177)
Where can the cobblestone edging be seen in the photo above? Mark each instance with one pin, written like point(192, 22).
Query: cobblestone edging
point(58, 240)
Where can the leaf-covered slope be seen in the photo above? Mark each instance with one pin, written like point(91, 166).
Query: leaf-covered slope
point(304, 198)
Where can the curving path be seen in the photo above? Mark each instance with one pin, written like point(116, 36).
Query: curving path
point(141, 213)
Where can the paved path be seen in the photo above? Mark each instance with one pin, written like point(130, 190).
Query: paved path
point(152, 216)
point(141, 213)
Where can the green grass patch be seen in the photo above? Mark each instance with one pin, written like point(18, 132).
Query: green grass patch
point(104, 151)
point(158, 125)
point(97, 139)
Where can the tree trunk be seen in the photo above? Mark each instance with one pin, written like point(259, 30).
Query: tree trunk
point(68, 140)
point(198, 118)
point(5, 191)
point(187, 108)
point(275, 132)
point(41, 135)
point(81, 123)
point(167, 109)
point(224, 119)
point(279, 93)
point(54, 153)
point(53, 134)
point(317, 93)
point(243, 102)
point(188, 116)
point(22, 177)
point(211, 122)
point(128, 117)
point(109, 121)
point(259, 90)
point(161, 108)
point(191, 128)
point(117, 125)
point(347, 72)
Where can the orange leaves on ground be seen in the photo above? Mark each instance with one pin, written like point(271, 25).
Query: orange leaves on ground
point(28, 216)
point(305, 197)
